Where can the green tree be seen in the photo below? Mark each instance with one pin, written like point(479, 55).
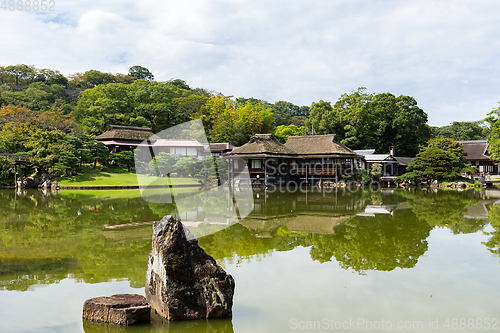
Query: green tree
point(463, 131)
point(236, 123)
point(141, 73)
point(51, 77)
point(283, 132)
point(142, 103)
point(21, 74)
point(493, 120)
point(433, 164)
point(163, 164)
point(449, 145)
point(179, 84)
point(187, 166)
point(367, 121)
point(124, 159)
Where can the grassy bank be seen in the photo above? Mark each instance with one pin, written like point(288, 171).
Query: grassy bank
point(117, 177)
point(122, 194)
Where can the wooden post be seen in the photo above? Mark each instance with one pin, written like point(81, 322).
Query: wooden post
point(21, 174)
point(265, 173)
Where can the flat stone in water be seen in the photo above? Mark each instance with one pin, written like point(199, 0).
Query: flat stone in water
point(120, 309)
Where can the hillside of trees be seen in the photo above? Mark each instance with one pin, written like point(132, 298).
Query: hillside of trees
point(54, 118)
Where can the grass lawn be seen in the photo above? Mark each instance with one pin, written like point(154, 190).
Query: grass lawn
point(122, 194)
point(117, 177)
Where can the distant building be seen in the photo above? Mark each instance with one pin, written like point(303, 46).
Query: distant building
point(392, 166)
point(180, 147)
point(125, 138)
point(219, 149)
point(128, 138)
point(478, 155)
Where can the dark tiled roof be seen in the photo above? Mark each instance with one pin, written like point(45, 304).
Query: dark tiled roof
point(119, 132)
point(317, 145)
point(262, 145)
point(476, 150)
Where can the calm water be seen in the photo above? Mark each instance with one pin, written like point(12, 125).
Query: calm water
point(358, 262)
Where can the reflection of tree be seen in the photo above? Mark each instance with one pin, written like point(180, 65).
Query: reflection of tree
point(46, 238)
point(468, 226)
point(374, 243)
point(493, 244)
point(441, 208)
point(363, 243)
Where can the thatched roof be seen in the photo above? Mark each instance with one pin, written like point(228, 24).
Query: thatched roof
point(119, 132)
point(317, 145)
point(263, 145)
point(476, 149)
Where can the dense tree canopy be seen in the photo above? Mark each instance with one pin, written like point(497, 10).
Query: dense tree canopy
point(226, 120)
point(462, 131)
point(373, 121)
point(141, 73)
point(142, 103)
point(493, 120)
point(283, 132)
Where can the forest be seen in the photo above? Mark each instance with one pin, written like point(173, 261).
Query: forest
point(54, 118)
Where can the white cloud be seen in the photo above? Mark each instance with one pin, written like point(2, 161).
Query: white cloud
point(445, 54)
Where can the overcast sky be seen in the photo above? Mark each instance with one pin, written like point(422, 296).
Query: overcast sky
point(446, 54)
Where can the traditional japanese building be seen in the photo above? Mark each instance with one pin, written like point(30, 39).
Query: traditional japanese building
point(126, 138)
point(322, 158)
point(478, 155)
point(301, 160)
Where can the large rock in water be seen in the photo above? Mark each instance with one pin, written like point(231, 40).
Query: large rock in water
point(182, 281)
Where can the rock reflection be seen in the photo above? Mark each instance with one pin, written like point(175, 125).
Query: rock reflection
point(159, 324)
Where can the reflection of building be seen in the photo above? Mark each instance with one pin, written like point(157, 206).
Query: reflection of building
point(301, 160)
point(373, 210)
point(478, 155)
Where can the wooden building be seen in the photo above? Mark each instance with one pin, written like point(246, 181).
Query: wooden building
point(478, 155)
point(301, 160)
point(126, 138)
point(120, 138)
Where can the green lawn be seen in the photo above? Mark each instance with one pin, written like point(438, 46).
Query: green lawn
point(122, 194)
point(118, 177)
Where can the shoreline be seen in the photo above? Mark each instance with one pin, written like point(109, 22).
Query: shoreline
point(113, 187)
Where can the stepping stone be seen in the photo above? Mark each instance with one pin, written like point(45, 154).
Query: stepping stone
point(121, 309)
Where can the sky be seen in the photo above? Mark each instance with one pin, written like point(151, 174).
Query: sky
point(445, 54)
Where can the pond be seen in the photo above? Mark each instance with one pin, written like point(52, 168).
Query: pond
point(357, 261)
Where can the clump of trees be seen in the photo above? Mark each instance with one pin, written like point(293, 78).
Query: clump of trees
point(373, 121)
point(463, 131)
point(442, 159)
point(52, 117)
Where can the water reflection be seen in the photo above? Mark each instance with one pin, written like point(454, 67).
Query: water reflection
point(94, 236)
point(159, 324)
